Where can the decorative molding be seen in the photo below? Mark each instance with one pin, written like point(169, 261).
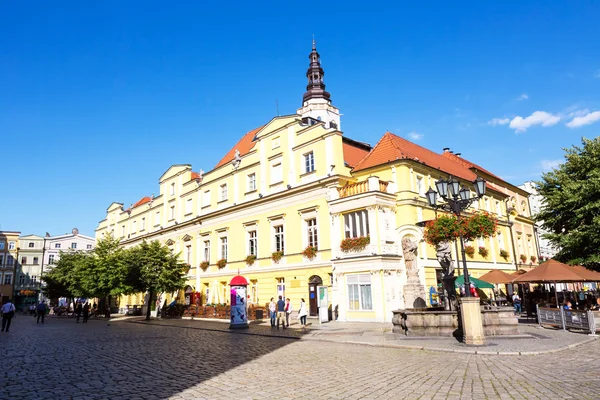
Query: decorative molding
point(186, 238)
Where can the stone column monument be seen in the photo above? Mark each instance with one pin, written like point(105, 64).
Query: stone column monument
point(414, 292)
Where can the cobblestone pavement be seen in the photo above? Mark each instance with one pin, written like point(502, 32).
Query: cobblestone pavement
point(123, 360)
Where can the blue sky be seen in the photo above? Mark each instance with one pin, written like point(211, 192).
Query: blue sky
point(97, 101)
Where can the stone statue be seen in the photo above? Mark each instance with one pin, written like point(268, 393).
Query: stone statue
point(444, 256)
point(237, 159)
point(409, 248)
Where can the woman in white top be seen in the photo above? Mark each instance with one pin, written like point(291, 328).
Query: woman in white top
point(302, 313)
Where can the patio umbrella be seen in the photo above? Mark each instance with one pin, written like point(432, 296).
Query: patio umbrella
point(550, 271)
point(460, 281)
point(497, 276)
point(588, 274)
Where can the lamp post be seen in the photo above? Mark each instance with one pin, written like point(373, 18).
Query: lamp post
point(456, 199)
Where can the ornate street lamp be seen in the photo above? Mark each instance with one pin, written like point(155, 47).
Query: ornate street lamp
point(456, 200)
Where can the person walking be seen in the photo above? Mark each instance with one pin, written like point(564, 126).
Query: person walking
point(78, 311)
point(272, 312)
point(288, 311)
point(302, 313)
point(41, 311)
point(8, 312)
point(86, 312)
point(281, 312)
point(516, 303)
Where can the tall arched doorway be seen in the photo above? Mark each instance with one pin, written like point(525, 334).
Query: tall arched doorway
point(313, 282)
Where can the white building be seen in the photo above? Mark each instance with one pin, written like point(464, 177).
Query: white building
point(546, 249)
point(53, 245)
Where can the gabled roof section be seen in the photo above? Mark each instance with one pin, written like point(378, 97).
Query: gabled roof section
point(142, 201)
point(392, 147)
point(114, 205)
point(467, 163)
point(195, 175)
point(244, 146)
point(354, 151)
point(174, 170)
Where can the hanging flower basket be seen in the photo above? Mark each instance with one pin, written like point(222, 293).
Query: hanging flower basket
point(523, 258)
point(250, 259)
point(446, 228)
point(504, 254)
point(204, 265)
point(310, 252)
point(533, 259)
point(479, 225)
point(355, 244)
point(276, 256)
point(442, 229)
point(483, 252)
point(470, 251)
point(221, 263)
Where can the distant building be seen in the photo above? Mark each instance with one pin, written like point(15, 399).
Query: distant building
point(9, 254)
point(29, 270)
point(536, 201)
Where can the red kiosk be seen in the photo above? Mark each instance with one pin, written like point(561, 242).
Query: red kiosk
point(239, 300)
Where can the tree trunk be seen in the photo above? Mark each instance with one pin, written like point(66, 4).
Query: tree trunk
point(150, 295)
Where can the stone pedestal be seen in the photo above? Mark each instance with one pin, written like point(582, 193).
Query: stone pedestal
point(414, 294)
point(472, 324)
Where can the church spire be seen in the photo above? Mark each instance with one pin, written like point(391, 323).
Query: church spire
point(316, 86)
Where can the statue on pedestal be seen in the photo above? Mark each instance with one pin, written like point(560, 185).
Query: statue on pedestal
point(414, 293)
point(444, 256)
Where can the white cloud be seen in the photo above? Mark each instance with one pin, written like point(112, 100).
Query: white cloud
point(415, 136)
point(520, 124)
point(522, 97)
point(499, 121)
point(548, 165)
point(578, 113)
point(586, 119)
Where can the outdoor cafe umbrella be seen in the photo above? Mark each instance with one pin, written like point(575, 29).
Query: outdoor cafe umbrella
point(588, 274)
point(497, 276)
point(550, 271)
point(460, 281)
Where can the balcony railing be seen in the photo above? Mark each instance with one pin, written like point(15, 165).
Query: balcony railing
point(360, 187)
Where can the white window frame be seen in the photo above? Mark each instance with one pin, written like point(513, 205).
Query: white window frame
point(420, 185)
point(123, 230)
point(276, 172)
point(354, 283)
point(356, 224)
point(173, 189)
point(252, 182)
point(312, 232)
point(36, 260)
point(134, 227)
point(31, 245)
point(171, 213)
point(188, 254)
point(89, 247)
point(279, 238)
point(8, 278)
point(189, 205)
point(11, 245)
point(206, 198)
point(223, 247)
point(74, 245)
point(143, 224)
point(223, 192)
point(51, 259)
point(309, 162)
point(252, 243)
point(206, 250)
point(2, 244)
point(9, 260)
point(157, 218)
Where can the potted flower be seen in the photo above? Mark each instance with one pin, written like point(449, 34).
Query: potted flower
point(483, 252)
point(533, 259)
point(310, 252)
point(523, 258)
point(276, 256)
point(222, 263)
point(470, 251)
point(355, 244)
point(504, 254)
point(250, 259)
point(204, 265)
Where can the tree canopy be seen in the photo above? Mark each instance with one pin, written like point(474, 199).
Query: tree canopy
point(571, 205)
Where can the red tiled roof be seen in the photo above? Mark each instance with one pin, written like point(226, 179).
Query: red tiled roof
point(466, 163)
point(353, 154)
point(391, 147)
point(243, 146)
point(143, 200)
point(195, 175)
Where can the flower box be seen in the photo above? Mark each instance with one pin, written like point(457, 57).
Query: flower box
point(276, 256)
point(523, 258)
point(250, 259)
point(355, 244)
point(504, 254)
point(310, 252)
point(221, 263)
point(483, 252)
point(533, 259)
point(470, 251)
point(204, 265)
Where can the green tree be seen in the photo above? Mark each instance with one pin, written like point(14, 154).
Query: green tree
point(571, 209)
point(153, 268)
point(64, 279)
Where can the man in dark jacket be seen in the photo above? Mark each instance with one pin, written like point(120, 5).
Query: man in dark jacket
point(281, 312)
point(41, 312)
point(78, 310)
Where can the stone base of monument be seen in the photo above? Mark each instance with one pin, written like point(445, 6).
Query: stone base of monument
point(414, 295)
point(431, 321)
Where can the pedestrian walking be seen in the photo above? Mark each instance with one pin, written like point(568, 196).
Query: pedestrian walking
point(78, 311)
point(86, 312)
point(272, 312)
point(516, 303)
point(302, 313)
point(281, 312)
point(8, 312)
point(41, 312)
point(288, 311)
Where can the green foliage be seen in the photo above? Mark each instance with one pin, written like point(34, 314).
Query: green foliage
point(479, 225)
point(571, 209)
point(310, 252)
point(66, 277)
point(204, 265)
point(276, 256)
point(446, 228)
point(504, 254)
point(355, 244)
point(442, 229)
point(483, 252)
point(250, 259)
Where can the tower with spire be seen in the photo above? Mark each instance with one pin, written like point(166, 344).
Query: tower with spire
point(316, 102)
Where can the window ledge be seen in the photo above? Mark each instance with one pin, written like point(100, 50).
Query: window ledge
point(222, 201)
point(186, 214)
point(276, 183)
point(250, 191)
point(204, 207)
point(314, 171)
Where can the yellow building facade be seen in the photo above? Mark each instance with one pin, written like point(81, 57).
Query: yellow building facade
point(297, 182)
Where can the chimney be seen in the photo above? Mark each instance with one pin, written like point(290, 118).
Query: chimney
point(458, 155)
point(446, 149)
